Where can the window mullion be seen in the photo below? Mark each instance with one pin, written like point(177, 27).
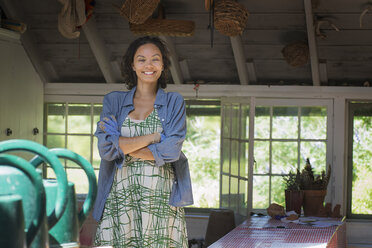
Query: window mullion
point(252, 112)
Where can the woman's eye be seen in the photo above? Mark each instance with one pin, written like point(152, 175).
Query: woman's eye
point(141, 60)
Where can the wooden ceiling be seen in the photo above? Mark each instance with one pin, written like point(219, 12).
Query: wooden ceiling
point(341, 57)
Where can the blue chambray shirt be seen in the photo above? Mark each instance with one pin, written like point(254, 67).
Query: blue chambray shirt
point(172, 114)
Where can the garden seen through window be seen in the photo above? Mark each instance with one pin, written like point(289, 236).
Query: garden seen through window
point(258, 147)
point(72, 126)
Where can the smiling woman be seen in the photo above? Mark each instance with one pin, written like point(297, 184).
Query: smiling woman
point(140, 136)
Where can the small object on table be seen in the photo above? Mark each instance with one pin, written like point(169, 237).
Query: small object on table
point(275, 210)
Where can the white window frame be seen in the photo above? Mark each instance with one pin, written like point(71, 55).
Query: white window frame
point(252, 102)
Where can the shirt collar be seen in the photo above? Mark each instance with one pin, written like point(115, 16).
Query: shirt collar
point(160, 97)
point(128, 100)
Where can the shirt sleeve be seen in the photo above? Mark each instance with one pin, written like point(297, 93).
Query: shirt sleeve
point(108, 145)
point(169, 149)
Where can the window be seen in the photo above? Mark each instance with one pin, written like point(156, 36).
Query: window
point(202, 148)
point(360, 161)
point(72, 126)
point(263, 140)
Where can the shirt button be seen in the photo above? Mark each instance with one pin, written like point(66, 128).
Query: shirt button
point(155, 106)
point(162, 119)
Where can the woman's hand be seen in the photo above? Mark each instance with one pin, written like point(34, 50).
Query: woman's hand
point(109, 125)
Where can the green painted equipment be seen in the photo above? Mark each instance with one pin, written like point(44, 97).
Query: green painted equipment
point(66, 232)
point(20, 184)
point(41, 239)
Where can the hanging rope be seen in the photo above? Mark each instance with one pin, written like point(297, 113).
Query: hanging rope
point(211, 19)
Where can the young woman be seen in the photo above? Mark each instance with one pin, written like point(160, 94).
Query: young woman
point(144, 178)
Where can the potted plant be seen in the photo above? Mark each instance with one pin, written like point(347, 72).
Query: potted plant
point(293, 193)
point(314, 188)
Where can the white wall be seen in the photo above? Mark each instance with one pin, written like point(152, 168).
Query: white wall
point(21, 91)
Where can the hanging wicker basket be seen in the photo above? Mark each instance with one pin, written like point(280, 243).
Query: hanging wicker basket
point(138, 11)
point(230, 17)
point(165, 27)
point(296, 54)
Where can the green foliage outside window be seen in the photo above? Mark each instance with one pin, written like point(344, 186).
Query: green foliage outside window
point(202, 148)
point(362, 166)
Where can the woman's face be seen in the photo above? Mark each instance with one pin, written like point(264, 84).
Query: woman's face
point(148, 63)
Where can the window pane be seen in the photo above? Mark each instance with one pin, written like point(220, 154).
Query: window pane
point(316, 152)
point(79, 145)
point(285, 123)
point(56, 118)
point(261, 157)
point(234, 158)
point(55, 141)
point(244, 122)
point(79, 178)
point(284, 157)
point(202, 148)
point(260, 191)
point(262, 123)
point(79, 118)
point(313, 122)
point(96, 157)
point(226, 156)
point(277, 190)
point(96, 115)
point(244, 159)
point(225, 191)
point(235, 121)
point(234, 194)
point(362, 168)
point(243, 196)
point(226, 120)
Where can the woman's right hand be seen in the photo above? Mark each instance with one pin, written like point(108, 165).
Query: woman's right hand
point(109, 125)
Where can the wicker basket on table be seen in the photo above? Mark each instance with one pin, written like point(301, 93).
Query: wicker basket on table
point(138, 11)
point(230, 17)
point(164, 27)
point(296, 54)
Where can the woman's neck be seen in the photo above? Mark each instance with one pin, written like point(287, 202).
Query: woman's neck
point(146, 91)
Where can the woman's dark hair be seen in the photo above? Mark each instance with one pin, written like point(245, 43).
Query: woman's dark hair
point(130, 77)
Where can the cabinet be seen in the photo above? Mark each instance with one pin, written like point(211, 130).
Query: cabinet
point(21, 91)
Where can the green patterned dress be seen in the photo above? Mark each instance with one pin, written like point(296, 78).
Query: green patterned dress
point(137, 213)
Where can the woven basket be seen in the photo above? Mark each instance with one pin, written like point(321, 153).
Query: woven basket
point(297, 53)
point(138, 11)
point(155, 27)
point(230, 17)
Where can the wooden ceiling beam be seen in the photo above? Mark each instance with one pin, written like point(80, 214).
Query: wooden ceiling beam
point(13, 12)
point(313, 49)
point(175, 67)
point(185, 70)
point(240, 61)
point(99, 50)
point(251, 72)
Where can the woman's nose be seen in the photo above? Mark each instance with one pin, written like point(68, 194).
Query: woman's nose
point(148, 63)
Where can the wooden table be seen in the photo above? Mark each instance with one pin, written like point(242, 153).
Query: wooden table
point(265, 232)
